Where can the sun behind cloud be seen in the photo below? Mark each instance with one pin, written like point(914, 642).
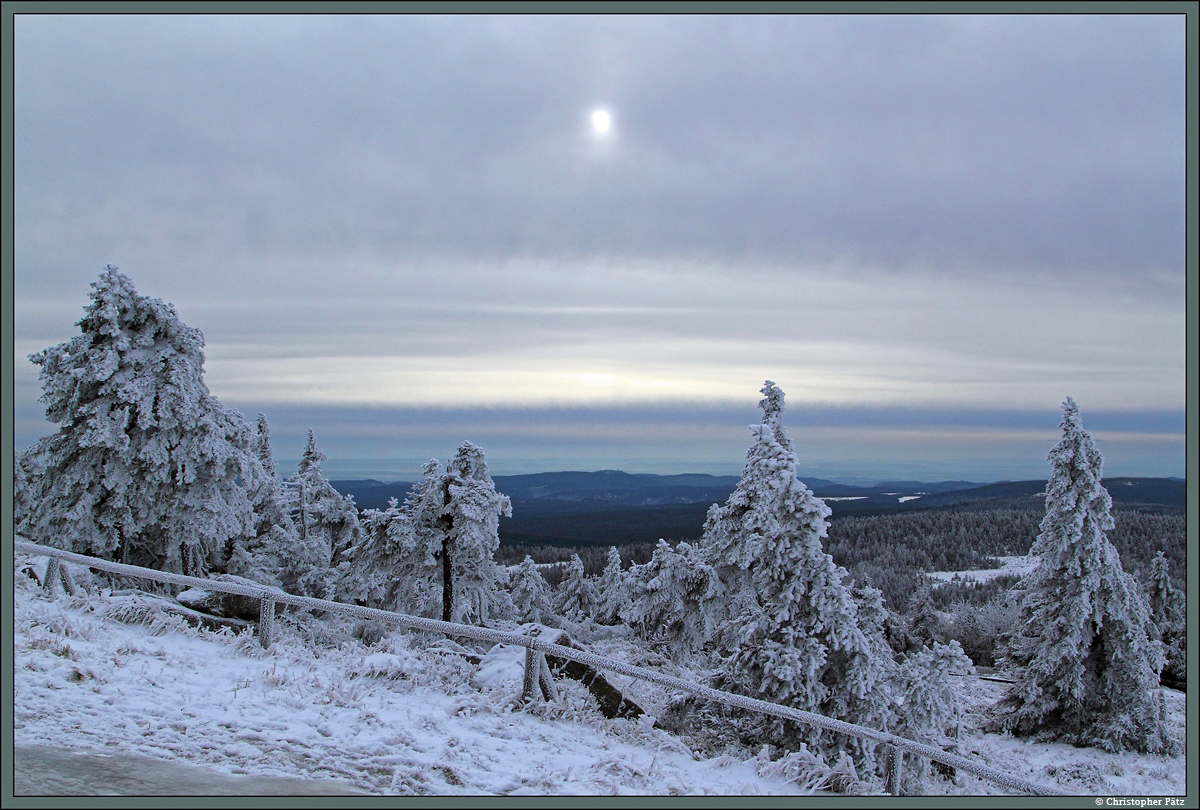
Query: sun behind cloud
point(601, 122)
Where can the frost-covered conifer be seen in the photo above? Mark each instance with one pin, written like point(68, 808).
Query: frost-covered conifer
point(530, 592)
point(794, 634)
point(612, 592)
point(366, 575)
point(927, 708)
point(972, 636)
point(874, 619)
point(1165, 601)
point(649, 602)
point(574, 599)
point(147, 467)
point(675, 598)
point(425, 507)
point(1167, 607)
point(1085, 665)
point(476, 590)
point(261, 557)
point(27, 469)
point(391, 568)
point(731, 540)
point(925, 624)
point(262, 445)
point(327, 526)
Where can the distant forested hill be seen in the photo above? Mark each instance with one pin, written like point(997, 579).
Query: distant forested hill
point(610, 507)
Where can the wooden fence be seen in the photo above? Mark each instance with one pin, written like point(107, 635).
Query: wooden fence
point(536, 671)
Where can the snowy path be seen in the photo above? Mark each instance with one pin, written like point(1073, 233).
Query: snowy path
point(394, 719)
point(47, 771)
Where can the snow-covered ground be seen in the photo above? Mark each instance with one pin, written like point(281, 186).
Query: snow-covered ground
point(404, 716)
point(1017, 566)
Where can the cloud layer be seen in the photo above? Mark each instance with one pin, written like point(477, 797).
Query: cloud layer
point(405, 211)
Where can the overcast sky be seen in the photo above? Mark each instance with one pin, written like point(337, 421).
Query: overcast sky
point(406, 231)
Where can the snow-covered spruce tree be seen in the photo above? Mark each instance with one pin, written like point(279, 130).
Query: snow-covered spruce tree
point(925, 624)
point(27, 469)
point(1083, 656)
point(391, 567)
point(874, 619)
point(1167, 607)
point(476, 589)
point(1165, 600)
point(574, 598)
point(530, 593)
point(928, 709)
point(327, 526)
point(971, 634)
point(675, 599)
point(724, 538)
point(425, 507)
point(795, 636)
point(612, 592)
point(650, 604)
point(147, 467)
point(363, 576)
point(261, 557)
point(397, 563)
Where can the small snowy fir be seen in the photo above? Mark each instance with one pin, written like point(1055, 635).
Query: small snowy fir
point(676, 599)
point(261, 557)
point(612, 590)
point(391, 568)
point(574, 598)
point(327, 526)
point(925, 625)
point(471, 514)
point(530, 593)
point(1168, 613)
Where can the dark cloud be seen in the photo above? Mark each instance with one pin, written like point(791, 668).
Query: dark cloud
point(1013, 141)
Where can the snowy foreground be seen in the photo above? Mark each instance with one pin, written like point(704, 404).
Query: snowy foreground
point(405, 716)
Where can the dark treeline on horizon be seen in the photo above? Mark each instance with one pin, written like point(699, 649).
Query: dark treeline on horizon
point(893, 552)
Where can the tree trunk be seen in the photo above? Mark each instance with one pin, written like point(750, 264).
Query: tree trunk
point(446, 524)
point(447, 581)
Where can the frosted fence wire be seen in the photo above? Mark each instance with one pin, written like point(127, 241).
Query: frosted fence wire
point(532, 642)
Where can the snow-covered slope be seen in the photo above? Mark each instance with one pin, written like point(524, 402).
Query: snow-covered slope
point(396, 718)
point(404, 715)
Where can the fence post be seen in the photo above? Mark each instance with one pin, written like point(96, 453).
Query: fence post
point(893, 765)
point(53, 566)
point(537, 674)
point(266, 620)
point(546, 679)
point(533, 669)
point(68, 583)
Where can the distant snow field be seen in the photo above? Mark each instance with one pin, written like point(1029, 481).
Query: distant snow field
point(405, 716)
point(1018, 566)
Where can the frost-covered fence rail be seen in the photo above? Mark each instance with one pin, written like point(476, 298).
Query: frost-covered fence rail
point(270, 595)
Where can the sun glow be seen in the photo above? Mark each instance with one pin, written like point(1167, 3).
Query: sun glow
point(601, 122)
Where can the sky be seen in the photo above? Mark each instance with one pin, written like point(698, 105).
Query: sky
point(406, 231)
